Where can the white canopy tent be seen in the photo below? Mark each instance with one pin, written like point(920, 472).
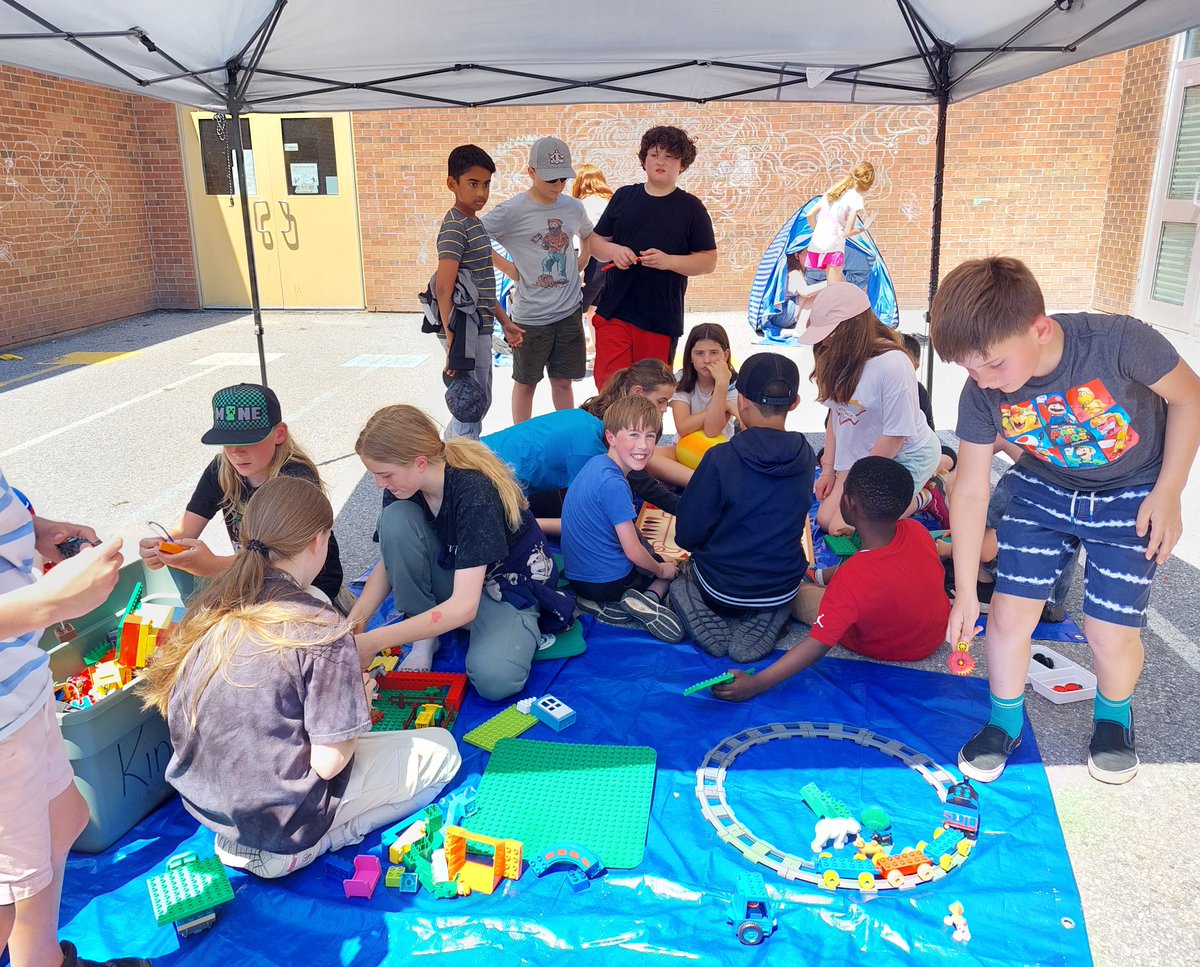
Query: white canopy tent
point(239, 56)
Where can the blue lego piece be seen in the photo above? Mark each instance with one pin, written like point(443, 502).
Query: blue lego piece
point(338, 868)
point(553, 713)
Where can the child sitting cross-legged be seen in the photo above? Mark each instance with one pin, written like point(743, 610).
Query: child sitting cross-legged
point(886, 602)
point(269, 709)
point(615, 575)
point(742, 517)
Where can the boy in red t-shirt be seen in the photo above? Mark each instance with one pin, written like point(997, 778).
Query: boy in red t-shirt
point(886, 602)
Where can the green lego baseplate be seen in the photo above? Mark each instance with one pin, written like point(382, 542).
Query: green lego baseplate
point(190, 887)
point(823, 804)
point(507, 725)
point(551, 792)
point(399, 708)
point(843, 546)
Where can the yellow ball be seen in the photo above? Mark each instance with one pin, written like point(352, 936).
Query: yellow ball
point(691, 449)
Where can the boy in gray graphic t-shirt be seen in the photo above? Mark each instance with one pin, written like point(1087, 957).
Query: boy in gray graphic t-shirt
point(1108, 417)
point(538, 228)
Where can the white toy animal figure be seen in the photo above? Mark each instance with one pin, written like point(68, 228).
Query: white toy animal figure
point(840, 830)
point(955, 919)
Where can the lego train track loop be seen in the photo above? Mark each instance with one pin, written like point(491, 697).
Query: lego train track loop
point(947, 850)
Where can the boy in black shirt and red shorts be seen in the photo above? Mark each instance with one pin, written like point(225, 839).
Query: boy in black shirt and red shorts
point(656, 235)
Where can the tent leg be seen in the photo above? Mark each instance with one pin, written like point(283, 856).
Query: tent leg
point(235, 143)
point(935, 251)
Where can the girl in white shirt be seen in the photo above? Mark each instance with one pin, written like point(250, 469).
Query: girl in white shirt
point(866, 378)
point(705, 394)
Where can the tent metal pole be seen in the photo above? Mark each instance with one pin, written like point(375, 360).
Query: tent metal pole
point(939, 178)
point(235, 145)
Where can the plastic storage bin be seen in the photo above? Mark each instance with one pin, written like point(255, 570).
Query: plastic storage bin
point(118, 750)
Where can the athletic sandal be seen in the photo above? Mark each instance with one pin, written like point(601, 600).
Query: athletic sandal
point(706, 628)
point(986, 755)
point(757, 634)
point(654, 615)
point(1111, 756)
point(606, 611)
point(71, 958)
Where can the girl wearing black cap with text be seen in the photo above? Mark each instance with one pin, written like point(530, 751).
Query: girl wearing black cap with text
point(255, 447)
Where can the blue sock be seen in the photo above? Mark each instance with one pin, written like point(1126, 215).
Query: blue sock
point(1108, 710)
point(1008, 714)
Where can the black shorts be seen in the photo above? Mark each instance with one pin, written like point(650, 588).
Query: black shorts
point(636, 579)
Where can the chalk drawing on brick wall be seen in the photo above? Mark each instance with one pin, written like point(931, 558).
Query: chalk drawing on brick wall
point(49, 195)
point(750, 171)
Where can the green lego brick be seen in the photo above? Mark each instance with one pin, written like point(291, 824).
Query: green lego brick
point(550, 792)
point(97, 654)
point(188, 889)
point(823, 804)
point(507, 725)
point(392, 877)
point(708, 683)
point(843, 546)
point(135, 599)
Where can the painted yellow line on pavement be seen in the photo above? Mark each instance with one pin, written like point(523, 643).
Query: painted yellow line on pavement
point(68, 361)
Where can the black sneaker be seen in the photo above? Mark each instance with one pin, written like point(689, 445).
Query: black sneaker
point(1111, 756)
point(983, 591)
point(706, 628)
point(1053, 613)
point(655, 616)
point(71, 958)
point(757, 634)
point(609, 612)
point(984, 757)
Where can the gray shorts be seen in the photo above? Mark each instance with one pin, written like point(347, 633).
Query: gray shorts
point(557, 350)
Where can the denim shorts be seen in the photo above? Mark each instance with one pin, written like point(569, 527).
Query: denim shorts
point(1044, 524)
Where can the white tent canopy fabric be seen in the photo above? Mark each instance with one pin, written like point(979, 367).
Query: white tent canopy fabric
point(335, 55)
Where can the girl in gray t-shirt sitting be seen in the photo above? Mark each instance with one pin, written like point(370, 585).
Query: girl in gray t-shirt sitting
point(264, 694)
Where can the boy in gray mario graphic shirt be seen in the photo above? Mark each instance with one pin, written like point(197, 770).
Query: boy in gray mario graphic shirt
point(1109, 419)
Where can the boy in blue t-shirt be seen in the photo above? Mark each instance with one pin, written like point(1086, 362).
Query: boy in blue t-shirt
point(1108, 417)
point(614, 574)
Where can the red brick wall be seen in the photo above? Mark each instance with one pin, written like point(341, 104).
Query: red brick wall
point(75, 245)
point(1027, 171)
point(1131, 174)
point(165, 196)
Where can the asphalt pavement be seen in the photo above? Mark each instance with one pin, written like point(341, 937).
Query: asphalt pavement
point(104, 427)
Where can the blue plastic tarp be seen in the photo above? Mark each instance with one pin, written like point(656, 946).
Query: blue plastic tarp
point(1017, 887)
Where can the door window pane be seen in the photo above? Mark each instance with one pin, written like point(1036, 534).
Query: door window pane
point(309, 156)
point(1175, 247)
point(220, 175)
point(1185, 169)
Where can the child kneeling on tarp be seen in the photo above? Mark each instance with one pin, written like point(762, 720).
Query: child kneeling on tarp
point(886, 602)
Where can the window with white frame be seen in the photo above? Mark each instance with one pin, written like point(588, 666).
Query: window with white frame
point(1169, 291)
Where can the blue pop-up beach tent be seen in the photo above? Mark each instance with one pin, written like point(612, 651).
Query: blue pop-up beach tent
point(862, 254)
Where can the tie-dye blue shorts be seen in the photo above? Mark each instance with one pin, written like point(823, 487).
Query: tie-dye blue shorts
point(1044, 523)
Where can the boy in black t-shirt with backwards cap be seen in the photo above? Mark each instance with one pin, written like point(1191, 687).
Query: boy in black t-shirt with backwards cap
point(656, 235)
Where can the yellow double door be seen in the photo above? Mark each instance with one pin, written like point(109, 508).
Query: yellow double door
point(303, 210)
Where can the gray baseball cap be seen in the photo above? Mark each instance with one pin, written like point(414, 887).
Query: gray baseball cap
point(550, 159)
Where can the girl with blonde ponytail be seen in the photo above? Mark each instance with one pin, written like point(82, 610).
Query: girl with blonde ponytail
point(267, 704)
point(458, 547)
point(833, 221)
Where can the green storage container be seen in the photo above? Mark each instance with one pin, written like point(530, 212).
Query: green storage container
point(119, 750)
